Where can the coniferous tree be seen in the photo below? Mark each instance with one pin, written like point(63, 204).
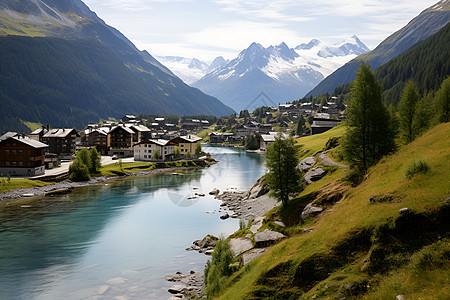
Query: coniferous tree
point(300, 124)
point(407, 108)
point(423, 114)
point(442, 101)
point(283, 177)
point(369, 133)
point(95, 158)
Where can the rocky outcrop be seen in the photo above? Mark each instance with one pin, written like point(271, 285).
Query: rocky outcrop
point(315, 175)
point(256, 224)
point(250, 204)
point(191, 283)
point(252, 255)
point(310, 211)
point(205, 245)
point(267, 238)
point(240, 245)
point(306, 164)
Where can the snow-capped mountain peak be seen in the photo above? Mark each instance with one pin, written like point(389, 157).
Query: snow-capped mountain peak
point(282, 73)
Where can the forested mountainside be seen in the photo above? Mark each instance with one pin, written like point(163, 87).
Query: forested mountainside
point(62, 65)
point(421, 27)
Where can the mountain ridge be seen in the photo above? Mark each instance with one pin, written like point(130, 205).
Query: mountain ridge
point(158, 90)
point(428, 22)
point(285, 74)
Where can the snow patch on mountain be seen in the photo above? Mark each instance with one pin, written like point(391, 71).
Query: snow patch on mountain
point(190, 69)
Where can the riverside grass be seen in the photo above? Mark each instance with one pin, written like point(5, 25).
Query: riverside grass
point(16, 183)
point(422, 193)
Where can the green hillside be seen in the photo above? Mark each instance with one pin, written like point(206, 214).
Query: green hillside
point(74, 82)
point(62, 65)
point(427, 64)
point(362, 249)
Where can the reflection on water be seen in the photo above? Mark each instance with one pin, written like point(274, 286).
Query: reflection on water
point(125, 235)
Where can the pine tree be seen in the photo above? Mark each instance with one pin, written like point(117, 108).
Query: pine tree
point(407, 108)
point(283, 177)
point(95, 161)
point(369, 133)
point(442, 101)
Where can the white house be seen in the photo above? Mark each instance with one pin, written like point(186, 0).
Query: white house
point(266, 139)
point(145, 150)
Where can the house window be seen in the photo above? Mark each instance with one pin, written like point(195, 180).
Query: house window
point(14, 152)
point(14, 163)
point(20, 164)
point(7, 163)
point(20, 151)
point(145, 156)
point(7, 152)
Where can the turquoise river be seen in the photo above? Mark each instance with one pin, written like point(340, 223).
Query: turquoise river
point(125, 234)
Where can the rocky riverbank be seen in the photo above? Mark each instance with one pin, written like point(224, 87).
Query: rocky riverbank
point(67, 186)
point(245, 205)
point(249, 204)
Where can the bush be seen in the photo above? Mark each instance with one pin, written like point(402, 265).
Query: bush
point(78, 171)
point(415, 167)
point(218, 269)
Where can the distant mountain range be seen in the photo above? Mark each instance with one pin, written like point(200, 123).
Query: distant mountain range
point(82, 70)
point(190, 69)
point(265, 76)
point(421, 27)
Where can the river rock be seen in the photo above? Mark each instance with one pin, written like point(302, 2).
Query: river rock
point(116, 281)
point(214, 192)
point(400, 297)
point(103, 289)
point(225, 216)
point(256, 225)
point(306, 164)
point(267, 238)
point(207, 241)
point(252, 255)
point(310, 211)
point(240, 245)
point(176, 289)
point(315, 175)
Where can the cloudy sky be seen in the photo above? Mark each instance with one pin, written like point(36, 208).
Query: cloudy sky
point(207, 29)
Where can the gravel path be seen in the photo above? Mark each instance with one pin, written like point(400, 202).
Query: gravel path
point(323, 158)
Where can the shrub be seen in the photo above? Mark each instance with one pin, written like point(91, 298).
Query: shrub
point(415, 167)
point(218, 269)
point(78, 171)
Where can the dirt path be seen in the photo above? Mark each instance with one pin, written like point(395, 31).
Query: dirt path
point(323, 158)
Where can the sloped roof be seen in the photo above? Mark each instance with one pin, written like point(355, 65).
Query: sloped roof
point(191, 138)
point(8, 135)
point(59, 132)
point(27, 141)
point(159, 142)
point(122, 127)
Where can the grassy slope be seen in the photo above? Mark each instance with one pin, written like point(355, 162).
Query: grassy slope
point(353, 213)
point(314, 143)
point(19, 184)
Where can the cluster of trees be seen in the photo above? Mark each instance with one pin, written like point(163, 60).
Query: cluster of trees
point(418, 113)
point(85, 164)
point(251, 142)
point(371, 128)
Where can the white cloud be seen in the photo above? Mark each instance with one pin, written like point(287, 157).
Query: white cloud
point(240, 34)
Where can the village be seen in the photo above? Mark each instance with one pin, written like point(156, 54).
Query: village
point(47, 152)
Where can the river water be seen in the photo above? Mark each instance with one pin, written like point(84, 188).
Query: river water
point(124, 235)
